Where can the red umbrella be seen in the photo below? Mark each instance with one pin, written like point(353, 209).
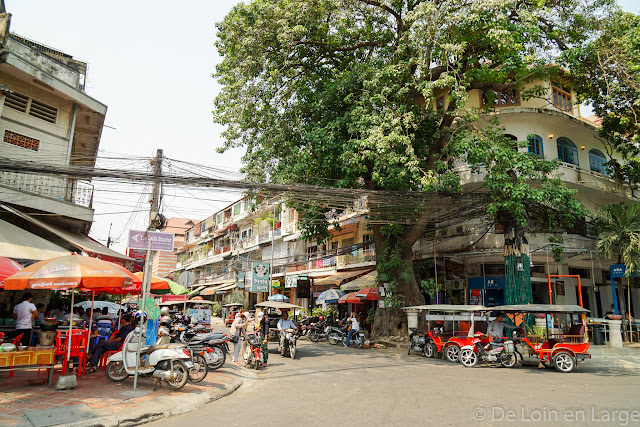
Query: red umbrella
point(370, 294)
point(351, 298)
point(7, 268)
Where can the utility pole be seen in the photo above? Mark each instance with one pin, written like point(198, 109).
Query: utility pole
point(109, 237)
point(154, 218)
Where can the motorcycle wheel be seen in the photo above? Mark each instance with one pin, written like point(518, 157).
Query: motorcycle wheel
point(508, 360)
point(222, 356)
point(257, 362)
point(292, 351)
point(334, 338)
point(410, 348)
point(359, 342)
point(182, 375)
point(452, 353)
point(200, 368)
point(115, 372)
point(313, 337)
point(468, 358)
point(430, 350)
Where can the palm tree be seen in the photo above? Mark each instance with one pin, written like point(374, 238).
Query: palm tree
point(619, 232)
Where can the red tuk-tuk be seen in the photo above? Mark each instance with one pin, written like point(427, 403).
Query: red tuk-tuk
point(562, 345)
point(232, 310)
point(449, 342)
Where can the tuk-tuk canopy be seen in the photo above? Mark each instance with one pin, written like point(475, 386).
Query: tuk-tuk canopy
point(450, 308)
point(277, 304)
point(541, 308)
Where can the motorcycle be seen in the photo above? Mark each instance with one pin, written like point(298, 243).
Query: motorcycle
point(504, 353)
point(168, 362)
point(212, 346)
point(339, 335)
point(254, 351)
point(418, 342)
point(290, 342)
point(318, 331)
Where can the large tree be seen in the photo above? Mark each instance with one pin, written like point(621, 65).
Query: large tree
point(342, 93)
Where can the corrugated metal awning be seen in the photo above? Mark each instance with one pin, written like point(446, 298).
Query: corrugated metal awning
point(339, 278)
point(368, 280)
point(17, 243)
point(80, 241)
point(224, 287)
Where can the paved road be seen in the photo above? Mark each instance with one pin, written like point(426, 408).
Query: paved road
point(333, 385)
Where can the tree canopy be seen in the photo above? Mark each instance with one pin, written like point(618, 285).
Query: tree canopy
point(343, 93)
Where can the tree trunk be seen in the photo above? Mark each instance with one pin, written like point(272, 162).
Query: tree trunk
point(392, 321)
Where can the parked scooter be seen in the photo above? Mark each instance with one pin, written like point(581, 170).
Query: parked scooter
point(168, 362)
point(211, 345)
point(418, 342)
point(318, 331)
point(339, 335)
point(503, 353)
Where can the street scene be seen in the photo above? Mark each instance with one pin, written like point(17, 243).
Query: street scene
point(320, 212)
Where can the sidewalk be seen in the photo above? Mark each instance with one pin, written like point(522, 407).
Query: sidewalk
point(98, 401)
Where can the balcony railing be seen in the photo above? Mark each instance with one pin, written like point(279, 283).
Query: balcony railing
point(67, 190)
point(357, 257)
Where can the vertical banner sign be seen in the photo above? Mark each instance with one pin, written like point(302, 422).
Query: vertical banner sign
point(259, 277)
point(304, 288)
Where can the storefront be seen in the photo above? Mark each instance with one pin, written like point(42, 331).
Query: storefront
point(487, 290)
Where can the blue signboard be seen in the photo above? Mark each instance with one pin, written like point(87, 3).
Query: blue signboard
point(616, 271)
point(487, 282)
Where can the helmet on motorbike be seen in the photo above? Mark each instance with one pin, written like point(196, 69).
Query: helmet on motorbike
point(164, 311)
point(165, 321)
point(139, 314)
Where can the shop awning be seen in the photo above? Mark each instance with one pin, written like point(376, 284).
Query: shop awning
point(340, 278)
point(212, 290)
point(80, 241)
point(17, 243)
point(368, 280)
point(370, 293)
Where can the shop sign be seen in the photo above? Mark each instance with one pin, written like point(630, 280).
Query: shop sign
point(259, 277)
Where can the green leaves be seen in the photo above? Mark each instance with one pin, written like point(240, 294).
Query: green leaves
point(618, 229)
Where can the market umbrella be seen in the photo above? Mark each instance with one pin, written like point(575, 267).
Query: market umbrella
point(330, 296)
point(351, 298)
point(161, 286)
point(69, 272)
point(7, 268)
point(370, 294)
point(279, 297)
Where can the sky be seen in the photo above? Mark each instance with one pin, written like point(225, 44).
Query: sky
point(151, 64)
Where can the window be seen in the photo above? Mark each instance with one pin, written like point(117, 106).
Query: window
point(34, 108)
point(561, 97)
point(505, 98)
point(535, 145)
point(597, 161)
point(23, 141)
point(219, 219)
point(567, 151)
point(237, 208)
point(247, 204)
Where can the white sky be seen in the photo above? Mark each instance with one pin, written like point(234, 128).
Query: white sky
point(151, 64)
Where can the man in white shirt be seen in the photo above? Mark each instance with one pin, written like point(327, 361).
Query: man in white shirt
point(283, 324)
point(24, 313)
point(496, 327)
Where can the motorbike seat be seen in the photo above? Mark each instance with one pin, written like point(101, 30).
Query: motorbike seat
point(152, 348)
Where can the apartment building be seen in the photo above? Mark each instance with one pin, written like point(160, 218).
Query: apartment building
point(46, 117)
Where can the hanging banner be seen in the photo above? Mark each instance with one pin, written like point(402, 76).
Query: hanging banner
point(259, 277)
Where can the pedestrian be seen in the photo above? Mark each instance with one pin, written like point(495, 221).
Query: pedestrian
point(59, 313)
point(263, 328)
point(237, 329)
point(355, 326)
point(40, 307)
point(109, 345)
point(24, 313)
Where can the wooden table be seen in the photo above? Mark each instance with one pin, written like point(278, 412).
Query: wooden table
point(34, 357)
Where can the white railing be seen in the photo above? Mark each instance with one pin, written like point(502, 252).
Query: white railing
point(68, 190)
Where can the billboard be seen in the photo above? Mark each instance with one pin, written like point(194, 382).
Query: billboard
point(259, 277)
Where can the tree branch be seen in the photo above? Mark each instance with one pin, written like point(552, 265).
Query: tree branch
point(326, 47)
point(386, 8)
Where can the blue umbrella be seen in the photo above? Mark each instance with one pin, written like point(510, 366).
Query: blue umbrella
point(279, 298)
point(330, 296)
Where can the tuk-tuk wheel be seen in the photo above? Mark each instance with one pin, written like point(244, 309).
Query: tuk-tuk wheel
point(430, 350)
point(564, 362)
point(452, 353)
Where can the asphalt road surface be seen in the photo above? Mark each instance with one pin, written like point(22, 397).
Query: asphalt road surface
point(332, 385)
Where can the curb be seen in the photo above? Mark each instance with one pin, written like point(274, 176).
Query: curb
point(165, 406)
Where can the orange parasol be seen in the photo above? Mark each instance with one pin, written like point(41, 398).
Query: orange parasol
point(69, 272)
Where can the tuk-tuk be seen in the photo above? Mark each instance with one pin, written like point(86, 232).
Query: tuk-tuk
point(232, 310)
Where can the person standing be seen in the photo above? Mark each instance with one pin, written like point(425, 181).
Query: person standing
point(24, 313)
point(263, 328)
point(355, 326)
point(237, 329)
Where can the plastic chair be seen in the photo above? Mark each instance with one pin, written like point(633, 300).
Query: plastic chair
point(78, 344)
point(102, 363)
point(104, 332)
point(16, 340)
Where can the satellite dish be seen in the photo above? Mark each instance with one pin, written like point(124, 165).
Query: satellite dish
point(186, 279)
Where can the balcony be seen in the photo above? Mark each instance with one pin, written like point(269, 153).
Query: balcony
point(360, 256)
point(67, 190)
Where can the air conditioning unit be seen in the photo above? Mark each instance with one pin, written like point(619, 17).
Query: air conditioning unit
point(457, 285)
